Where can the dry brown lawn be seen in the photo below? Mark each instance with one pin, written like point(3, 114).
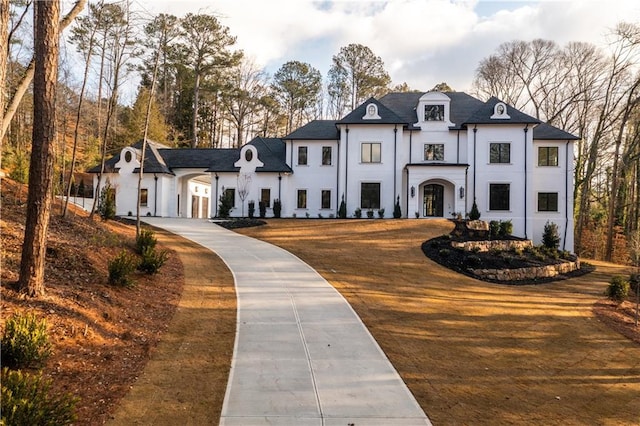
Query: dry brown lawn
point(474, 352)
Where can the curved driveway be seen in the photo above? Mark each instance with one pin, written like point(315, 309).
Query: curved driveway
point(302, 356)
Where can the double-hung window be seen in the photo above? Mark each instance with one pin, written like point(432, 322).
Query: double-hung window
point(371, 152)
point(265, 196)
point(326, 199)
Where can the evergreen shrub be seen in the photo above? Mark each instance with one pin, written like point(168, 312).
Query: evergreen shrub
point(25, 342)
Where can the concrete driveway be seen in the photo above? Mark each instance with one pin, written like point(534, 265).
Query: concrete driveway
point(302, 356)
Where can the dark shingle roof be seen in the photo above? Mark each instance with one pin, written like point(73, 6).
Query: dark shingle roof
point(316, 130)
point(153, 163)
point(272, 152)
point(483, 115)
point(387, 116)
point(548, 132)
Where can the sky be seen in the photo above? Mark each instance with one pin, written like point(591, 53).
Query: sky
point(422, 42)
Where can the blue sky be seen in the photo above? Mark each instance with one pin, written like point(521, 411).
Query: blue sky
point(422, 42)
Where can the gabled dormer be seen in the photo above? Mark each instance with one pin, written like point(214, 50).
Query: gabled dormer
point(433, 111)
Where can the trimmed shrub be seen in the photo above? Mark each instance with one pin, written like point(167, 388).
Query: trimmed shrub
point(397, 212)
point(342, 210)
point(152, 260)
point(618, 289)
point(370, 214)
point(146, 239)
point(225, 205)
point(358, 213)
point(381, 213)
point(27, 400)
point(252, 209)
point(550, 236)
point(120, 268)
point(262, 208)
point(506, 228)
point(474, 214)
point(25, 342)
point(494, 229)
point(277, 208)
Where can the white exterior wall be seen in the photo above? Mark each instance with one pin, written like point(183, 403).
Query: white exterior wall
point(355, 172)
point(558, 179)
point(511, 173)
point(313, 177)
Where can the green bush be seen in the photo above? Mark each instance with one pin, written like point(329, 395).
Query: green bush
point(262, 208)
point(146, 239)
point(152, 260)
point(381, 213)
point(506, 228)
point(474, 214)
point(25, 342)
point(397, 212)
point(120, 268)
point(550, 236)
point(370, 214)
point(107, 202)
point(494, 229)
point(618, 288)
point(26, 400)
point(358, 213)
point(252, 209)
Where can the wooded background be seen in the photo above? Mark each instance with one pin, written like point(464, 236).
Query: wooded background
point(197, 90)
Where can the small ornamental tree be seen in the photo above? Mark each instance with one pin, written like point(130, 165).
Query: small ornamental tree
point(397, 212)
point(107, 202)
point(474, 214)
point(342, 210)
point(550, 236)
point(224, 208)
point(252, 209)
point(262, 207)
point(618, 289)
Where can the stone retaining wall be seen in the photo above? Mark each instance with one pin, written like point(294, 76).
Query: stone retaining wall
point(520, 274)
point(482, 246)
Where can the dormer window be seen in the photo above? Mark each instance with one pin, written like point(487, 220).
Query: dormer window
point(434, 112)
point(500, 112)
point(372, 112)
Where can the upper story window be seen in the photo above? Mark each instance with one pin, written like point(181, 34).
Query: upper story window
point(326, 155)
point(434, 152)
point(548, 156)
point(434, 112)
point(500, 152)
point(371, 152)
point(302, 156)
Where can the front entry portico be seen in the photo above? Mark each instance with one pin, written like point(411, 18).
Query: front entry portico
point(436, 190)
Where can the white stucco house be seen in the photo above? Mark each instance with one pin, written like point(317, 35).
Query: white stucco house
point(433, 152)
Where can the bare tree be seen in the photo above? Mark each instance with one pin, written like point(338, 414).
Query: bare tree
point(244, 187)
point(4, 57)
point(23, 85)
point(46, 47)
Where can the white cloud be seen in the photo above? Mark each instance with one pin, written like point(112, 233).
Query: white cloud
point(422, 42)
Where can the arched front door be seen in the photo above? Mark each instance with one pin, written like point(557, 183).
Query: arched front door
point(433, 200)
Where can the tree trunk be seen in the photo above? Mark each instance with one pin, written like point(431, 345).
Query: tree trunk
point(194, 120)
point(4, 53)
point(46, 47)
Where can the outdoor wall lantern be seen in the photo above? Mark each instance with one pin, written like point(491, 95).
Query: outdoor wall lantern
point(413, 191)
point(462, 192)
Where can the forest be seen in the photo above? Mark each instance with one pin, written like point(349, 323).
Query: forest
point(196, 89)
